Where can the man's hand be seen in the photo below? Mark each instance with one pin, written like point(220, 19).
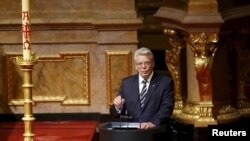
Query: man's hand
point(118, 102)
point(147, 125)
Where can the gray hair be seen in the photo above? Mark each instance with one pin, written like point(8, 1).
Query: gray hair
point(143, 51)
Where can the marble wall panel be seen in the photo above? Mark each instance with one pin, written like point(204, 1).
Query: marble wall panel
point(63, 79)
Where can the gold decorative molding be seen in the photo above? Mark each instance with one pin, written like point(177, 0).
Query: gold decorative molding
point(178, 105)
point(227, 113)
point(189, 114)
point(173, 62)
point(206, 116)
point(243, 105)
point(118, 66)
point(199, 114)
point(52, 83)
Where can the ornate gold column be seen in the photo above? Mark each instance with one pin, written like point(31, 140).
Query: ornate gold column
point(203, 47)
point(201, 20)
point(198, 110)
point(173, 63)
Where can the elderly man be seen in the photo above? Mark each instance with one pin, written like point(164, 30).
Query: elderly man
point(146, 97)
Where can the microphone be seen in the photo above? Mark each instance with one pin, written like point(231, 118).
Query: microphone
point(124, 119)
point(128, 120)
point(133, 120)
point(133, 113)
point(125, 116)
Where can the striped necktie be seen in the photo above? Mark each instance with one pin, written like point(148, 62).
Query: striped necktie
point(143, 93)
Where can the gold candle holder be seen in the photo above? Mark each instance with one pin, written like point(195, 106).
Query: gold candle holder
point(27, 67)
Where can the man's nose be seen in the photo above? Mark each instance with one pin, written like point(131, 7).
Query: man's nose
point(143, 65)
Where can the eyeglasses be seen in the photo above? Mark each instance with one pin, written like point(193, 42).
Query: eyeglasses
point(140, 64)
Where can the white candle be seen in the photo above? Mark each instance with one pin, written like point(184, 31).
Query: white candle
point(26, 29)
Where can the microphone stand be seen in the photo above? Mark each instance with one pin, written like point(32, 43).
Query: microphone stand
point(127, 118)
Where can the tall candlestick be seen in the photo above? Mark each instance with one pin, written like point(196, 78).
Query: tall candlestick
point(26, 29)
point(27, 63)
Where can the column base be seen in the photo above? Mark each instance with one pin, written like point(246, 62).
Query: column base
point(227, 113)
point(178, 106)
point(199, 114)
point(243, 106)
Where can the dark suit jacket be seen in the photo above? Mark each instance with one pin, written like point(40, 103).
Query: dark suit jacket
point(159, 103)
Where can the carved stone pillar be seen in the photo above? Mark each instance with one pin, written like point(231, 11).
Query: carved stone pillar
point(173, 62)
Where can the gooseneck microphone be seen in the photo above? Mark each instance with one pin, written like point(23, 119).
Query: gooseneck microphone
point(124, 115)
point(129, 120)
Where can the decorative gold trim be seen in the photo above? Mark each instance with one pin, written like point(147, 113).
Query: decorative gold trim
point(178, 106)
point(227, 113)
point(85, 100)
point(111, 89)
point(206, 116)
point(172, 58)
point(189, 114)
point(243, 105)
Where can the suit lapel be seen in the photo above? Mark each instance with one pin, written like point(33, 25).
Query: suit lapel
point(135, 93)
point(135, 87)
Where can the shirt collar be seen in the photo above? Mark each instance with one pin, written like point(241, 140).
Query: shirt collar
point(148, 80)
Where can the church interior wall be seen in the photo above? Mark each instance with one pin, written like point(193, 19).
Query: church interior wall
point(83, 48)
